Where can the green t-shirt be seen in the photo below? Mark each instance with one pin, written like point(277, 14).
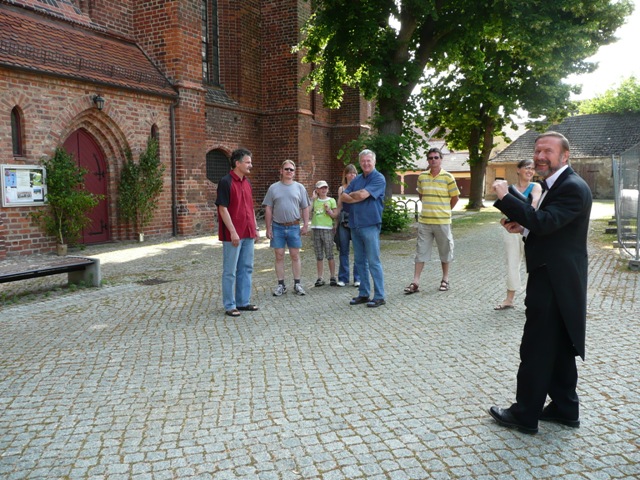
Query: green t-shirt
point(319, 216)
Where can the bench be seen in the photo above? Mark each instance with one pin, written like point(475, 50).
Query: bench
point(79, 269)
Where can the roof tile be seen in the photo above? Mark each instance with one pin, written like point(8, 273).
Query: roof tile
point(596, 135)
point(33, 42)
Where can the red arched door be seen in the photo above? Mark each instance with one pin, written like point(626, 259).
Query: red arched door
point(89, 156)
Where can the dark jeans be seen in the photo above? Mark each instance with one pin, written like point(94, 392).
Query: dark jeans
point(344, 237)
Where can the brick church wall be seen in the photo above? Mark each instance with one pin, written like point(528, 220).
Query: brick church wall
point(267, 112)
point(170, 33)
point(50, 107)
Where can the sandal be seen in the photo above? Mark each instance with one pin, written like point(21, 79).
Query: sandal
point(248, 308)
point(503, 306)
point(412, 288)
point(444, 286)
point(232, 313)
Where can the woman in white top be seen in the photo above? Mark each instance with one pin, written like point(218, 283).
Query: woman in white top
point(513, 244)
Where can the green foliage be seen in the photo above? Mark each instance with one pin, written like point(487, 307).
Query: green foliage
point(393, 152)
point(395, 218)
point(502, 57)
point(622, 99)
point(140, 186)
point(68, 202)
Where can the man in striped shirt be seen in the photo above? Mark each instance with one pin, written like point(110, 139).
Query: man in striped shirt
point(438, 193)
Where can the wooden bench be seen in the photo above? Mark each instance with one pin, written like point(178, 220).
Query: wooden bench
point(79, 269)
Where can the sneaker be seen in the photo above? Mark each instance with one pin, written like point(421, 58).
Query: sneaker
point(299, 290)
point(356, 284)
point(333, 282)
point(280, 290)
point(319, 283)
point(340, 283)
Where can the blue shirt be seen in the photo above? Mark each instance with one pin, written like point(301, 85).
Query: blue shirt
point(368, 212)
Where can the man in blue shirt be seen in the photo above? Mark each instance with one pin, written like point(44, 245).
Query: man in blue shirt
point(365, 195)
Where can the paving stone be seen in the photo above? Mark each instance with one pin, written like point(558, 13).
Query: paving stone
point(153, 381)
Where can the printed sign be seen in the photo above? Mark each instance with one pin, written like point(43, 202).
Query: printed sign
point(23, 185)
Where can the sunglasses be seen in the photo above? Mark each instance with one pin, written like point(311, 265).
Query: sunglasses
point(433, 158)
point(289, 169)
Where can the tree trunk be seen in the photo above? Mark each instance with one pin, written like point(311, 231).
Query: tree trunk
point(480, 146)
point(476, 195)
point(389, 124)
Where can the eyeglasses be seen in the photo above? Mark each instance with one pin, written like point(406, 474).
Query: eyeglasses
point(433, 158)
point(286, 169)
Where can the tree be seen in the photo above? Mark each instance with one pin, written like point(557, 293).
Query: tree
point(383, 47)
point(354, 43)
point(622, 99)
point(513, 69)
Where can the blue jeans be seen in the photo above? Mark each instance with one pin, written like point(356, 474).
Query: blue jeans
point(237, 270)
point(344, 237)
point(366, 250)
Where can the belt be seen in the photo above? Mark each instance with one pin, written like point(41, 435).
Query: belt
point(288, 224)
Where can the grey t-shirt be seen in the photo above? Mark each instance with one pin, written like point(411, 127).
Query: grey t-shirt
point(286, 201)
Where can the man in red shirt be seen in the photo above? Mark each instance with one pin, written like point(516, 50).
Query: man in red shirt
point(237, 230)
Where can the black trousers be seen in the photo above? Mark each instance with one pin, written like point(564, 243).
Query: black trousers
point(547, 356)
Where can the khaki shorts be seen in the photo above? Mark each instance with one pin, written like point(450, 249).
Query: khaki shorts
point(443, 238)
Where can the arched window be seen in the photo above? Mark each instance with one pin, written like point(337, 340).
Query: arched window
point(155, 132)
point(217, 165)
point(17, 137)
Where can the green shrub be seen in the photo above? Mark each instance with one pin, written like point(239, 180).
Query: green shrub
point(395, 218)
point(68, 202)
point(140, 186)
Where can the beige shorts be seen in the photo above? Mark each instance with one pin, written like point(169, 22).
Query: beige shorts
point(443, 238)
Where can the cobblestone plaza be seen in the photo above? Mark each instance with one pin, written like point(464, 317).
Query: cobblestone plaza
point(146, 378)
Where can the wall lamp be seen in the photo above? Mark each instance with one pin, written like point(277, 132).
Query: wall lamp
point(98, 101)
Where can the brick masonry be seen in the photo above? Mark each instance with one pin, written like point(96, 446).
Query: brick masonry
point(267, 112)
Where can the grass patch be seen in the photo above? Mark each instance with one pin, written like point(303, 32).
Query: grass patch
point(598, 235)
point(462, 224)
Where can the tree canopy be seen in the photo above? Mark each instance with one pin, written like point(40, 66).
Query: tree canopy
point(479, 61)
point(624, 98)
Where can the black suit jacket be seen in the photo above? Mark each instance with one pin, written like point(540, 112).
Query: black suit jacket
point(557, 240)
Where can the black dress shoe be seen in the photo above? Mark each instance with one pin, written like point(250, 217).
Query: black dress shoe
point(505, 418)
point(358, 300)
point(376, 303)
point(550, 414)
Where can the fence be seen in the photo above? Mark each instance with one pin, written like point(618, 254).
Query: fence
point(626, 181)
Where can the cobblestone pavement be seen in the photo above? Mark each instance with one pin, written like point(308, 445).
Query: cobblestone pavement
point(146, 378)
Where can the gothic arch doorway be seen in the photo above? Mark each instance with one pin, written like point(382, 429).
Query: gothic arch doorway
point(89, 155)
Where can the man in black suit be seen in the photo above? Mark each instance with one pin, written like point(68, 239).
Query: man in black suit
point(555, 236)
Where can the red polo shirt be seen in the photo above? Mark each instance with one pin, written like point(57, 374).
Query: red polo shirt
point(236, 195)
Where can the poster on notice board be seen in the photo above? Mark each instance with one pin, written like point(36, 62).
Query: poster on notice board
point(23, 185)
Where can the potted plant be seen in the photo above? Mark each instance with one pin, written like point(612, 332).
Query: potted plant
point(140, 186)
point(68, 202)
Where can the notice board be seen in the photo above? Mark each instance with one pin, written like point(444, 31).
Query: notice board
point(23, 185)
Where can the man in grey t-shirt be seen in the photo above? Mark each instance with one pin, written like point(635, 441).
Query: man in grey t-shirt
point(285, 203)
